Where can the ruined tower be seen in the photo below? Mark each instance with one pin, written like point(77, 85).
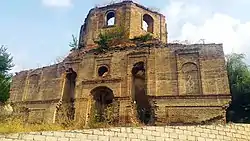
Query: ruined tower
point(133, 18)
point(140, 79)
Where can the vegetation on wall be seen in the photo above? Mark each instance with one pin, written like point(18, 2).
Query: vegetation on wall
point(143, 38)
point(5, 77)
point(107, 118)
point(239, 81)
point(74, 44)
point(116, 37)
point(103, 41)
point(110, 37)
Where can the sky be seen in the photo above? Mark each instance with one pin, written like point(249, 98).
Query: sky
point(38, 32)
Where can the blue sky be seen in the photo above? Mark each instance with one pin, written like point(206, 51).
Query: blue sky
point(37, 32)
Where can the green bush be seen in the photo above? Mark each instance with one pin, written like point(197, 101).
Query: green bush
point(143, 38)
point(110, 37)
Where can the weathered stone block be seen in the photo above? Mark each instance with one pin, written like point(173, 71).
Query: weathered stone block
point(173, 136)
point(132, 136)
point(191, 138)
point(74, 139)
point(62, 139)
point(39, 138)
point(103, 138)
point(27, 137)
point(50, 138)
point(70, 135)
point(92, 137)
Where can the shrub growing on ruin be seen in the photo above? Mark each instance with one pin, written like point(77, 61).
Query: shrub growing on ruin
point(106, 119)
point(143, 38)
point(110, 38)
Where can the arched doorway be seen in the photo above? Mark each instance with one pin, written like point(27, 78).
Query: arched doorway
point(139, 95)
point(103, 97)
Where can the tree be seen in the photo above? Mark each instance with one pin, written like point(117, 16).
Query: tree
point(74, 43)
point(5, 77)
point(239, 81)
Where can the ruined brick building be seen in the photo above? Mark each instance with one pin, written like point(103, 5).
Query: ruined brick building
point(149, 81)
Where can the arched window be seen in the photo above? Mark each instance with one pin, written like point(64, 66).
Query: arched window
point(139, 89)
point(103, 71)
point(110, 18)
point(65, 113)
point(148, 23)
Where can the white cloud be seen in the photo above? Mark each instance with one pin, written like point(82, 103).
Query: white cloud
point(220, 28)
point(57, 3)
point(177, 13)
point(217, 27)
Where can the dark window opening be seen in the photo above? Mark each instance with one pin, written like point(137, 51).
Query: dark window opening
point(103, 71)
point(148, 23)
point(139, 95)
point(70, 85)
point(110, 18)
point(66, 106)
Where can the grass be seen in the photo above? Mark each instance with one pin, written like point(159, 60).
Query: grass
point(15, 125)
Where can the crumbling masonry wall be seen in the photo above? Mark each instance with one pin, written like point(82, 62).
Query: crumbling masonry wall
point(181, 83)
point(128, 17)
point(184, 83)
point(38, 91)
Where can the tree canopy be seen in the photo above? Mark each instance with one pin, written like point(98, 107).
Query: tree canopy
point(239, 81)
point(5, 77)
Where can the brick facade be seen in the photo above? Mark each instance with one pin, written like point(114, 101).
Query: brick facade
point(180, 84)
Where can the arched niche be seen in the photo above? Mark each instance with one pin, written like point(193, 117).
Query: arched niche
point(192, 78)
point(33, 87)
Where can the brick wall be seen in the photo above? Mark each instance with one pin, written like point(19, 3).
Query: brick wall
point(229, 132)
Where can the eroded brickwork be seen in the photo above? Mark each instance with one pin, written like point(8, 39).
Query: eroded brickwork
point(175, 83)
point(230, 132)
point(128, 16)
